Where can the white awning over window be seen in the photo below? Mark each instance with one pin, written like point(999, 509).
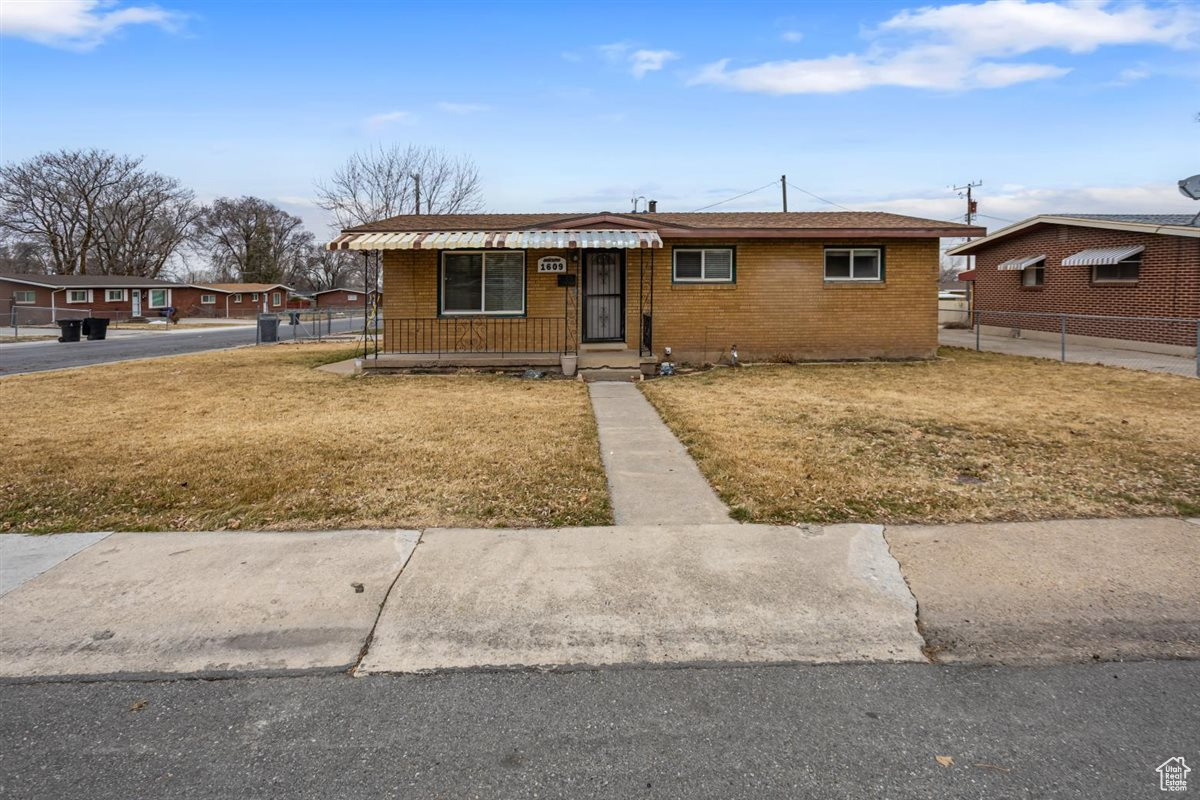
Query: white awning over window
point(493, 240)
point(1102, 255)
point(1020, 263)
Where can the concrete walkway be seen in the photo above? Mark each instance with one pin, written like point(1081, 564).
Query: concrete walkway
point(23, 557)
point(651, 478)
point(1076, 353)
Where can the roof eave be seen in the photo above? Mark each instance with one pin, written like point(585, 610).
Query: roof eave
point(969, 248)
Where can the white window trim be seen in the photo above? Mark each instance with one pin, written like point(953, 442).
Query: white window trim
point(237, 297)
point(150, 298)
point(703, 265)
point(878, 251)
point(120, 298)
point(254, 297)
point(1118, 281)
point(87, 295)
point(30, 293)
point(276, 298)
point(351, 297)
point(208, 299)
point(482, 289)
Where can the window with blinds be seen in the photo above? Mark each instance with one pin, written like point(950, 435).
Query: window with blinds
point(483, 282)
point(702, 265)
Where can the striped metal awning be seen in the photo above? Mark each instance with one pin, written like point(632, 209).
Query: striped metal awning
point(489, 240)
point(1102, 255)
point(1020, 263)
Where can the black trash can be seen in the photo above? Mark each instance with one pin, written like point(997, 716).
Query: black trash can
point(268, 328)
point(294, 318)
point(95, 328)
point(70, 330)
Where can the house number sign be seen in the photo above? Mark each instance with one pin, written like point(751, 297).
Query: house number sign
point(552, 264)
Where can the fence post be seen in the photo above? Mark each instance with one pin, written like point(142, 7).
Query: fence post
point(1062, 326)
point(977, 326)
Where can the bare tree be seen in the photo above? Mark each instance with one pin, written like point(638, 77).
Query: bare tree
point(252, 240)
point(382, 182)
point(330, 269)
point(142, 221)
point(23, 256)
point(55, 198)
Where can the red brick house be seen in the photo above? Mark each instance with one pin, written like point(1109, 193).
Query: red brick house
point(338, 298)
point(1140, 267)
point(617, 289)
point(235, 299)
point(43, 299)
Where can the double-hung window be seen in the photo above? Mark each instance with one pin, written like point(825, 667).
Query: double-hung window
point(483, 282)
point(114, 295)
point(237, 297)
point(702, 265)
point(853, 263)
point(1034, 274)
point(160, 298)
point(208, 299)
point(79, 295)
point(25, 298)
point(276, 298)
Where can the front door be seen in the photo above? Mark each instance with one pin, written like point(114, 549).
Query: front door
point(603, 296)
point(136, 298)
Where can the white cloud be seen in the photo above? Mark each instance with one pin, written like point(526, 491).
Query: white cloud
point(388, 118)
point(462, 108)
point(1131, 75)
point(639, 61)
point(78, 24)
point(644, 61)
point(957, 47)
point(791, 36)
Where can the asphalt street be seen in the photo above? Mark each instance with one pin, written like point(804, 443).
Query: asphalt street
point(1088, 730)
point(52, 354)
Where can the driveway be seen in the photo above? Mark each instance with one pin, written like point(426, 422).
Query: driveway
point(1077, 353)
point(46, 355)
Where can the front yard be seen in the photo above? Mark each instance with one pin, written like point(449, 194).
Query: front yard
point(975, 436)
point(255, 438)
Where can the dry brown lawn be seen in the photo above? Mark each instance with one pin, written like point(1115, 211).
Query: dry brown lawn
point(975, 436)
point(255, 438)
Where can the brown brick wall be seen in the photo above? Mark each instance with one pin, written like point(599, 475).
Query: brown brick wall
point(339, 299)
point(779, 307)
point(1168, 285)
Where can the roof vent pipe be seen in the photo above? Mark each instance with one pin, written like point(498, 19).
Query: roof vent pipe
point(652, 207)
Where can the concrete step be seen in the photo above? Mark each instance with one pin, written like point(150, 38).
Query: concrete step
point(598, 347)
point(620, 359)
point(606, 374)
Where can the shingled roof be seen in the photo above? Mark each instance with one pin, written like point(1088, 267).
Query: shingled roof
point(692, 223)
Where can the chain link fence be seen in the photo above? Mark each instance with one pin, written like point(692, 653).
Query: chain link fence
point(1156, 344)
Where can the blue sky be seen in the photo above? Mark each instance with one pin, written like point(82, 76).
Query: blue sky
point(1055, 106)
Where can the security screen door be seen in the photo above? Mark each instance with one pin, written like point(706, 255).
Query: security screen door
point(603, 297)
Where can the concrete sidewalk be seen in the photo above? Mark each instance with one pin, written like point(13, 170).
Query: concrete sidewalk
point(147, 604)
point(652, 479)
point(646, 594)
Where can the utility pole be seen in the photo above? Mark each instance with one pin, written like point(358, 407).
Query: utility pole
point(417, 190)
point(972, 205)
point(783, 188)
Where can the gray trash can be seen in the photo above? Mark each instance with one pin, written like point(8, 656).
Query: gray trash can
point(268, 328)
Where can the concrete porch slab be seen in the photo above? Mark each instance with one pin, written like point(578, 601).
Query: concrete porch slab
point(646, 595)
point(1066, 590)
point(143, 604)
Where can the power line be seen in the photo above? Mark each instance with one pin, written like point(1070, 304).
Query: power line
point(735, 197)
point(818, 197)
point(998, 219)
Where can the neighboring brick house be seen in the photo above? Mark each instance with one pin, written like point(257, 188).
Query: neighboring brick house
point(620, 288)
point(1115, 265)
point(338, 298)
point(235, 299)
point(43, 299)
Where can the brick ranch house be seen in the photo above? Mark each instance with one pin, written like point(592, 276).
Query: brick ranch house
point(235, 299)
point(43, 299)
point(1143, 267)
point(617, 289)
point(338, 298)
